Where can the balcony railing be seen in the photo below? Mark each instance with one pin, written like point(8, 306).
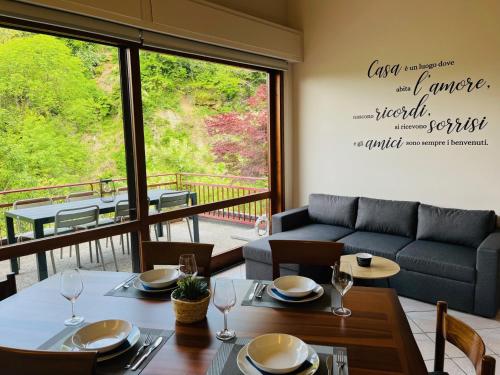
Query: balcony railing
point(209, 188)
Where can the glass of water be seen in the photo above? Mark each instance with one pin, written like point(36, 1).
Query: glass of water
point(342, 281)
point(71, 288)
point(224, 300)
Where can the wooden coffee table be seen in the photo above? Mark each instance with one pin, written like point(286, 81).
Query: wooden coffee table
point(380, 268)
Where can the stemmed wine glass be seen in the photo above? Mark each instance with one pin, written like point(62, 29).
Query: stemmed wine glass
point(224, 300)
point(71, 288)
point(187, 265)
point(342, 281)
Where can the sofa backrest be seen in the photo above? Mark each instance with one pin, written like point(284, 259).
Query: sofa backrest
point(461, 227)
point(387, 216)
point(333, 209)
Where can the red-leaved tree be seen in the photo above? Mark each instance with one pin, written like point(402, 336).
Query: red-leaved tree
point(239, 140)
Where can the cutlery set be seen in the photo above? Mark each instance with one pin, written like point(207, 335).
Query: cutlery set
point(340, 361)
point(148, 346)
point(258, 291)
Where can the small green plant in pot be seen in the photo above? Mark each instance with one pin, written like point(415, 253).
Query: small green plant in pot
point(190, 300)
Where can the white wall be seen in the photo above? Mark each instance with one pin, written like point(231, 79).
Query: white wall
point(341, 39)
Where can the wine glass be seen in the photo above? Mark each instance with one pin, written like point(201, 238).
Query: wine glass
point(71, 288)
point(187, 265)
point(342, 281)
point(224, 299)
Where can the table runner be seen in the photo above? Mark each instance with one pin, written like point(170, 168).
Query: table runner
point(330, 298)
point(132, 292)
point(114, 366)
point(224, 362)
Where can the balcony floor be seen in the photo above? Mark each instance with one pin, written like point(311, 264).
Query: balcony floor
point(211, 231)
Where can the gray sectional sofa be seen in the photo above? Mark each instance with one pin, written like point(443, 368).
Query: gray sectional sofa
point(444, 254)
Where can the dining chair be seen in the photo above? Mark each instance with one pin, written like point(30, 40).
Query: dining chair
point(168, 253)
point(29, 362)
point(76, 219)
point(170, 201)
point(456, 332)
point(8, 287)
point(311, 253)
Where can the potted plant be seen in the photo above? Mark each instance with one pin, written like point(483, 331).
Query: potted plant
point(190, 300)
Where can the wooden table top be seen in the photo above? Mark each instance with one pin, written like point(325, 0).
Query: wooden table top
point(377, 335)
point(380, 268)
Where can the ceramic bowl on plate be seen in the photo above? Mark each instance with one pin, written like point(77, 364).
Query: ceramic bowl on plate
point(277, 353)
point(294, 286)
point(102, 336)
point(160, 278)
point(364, 259)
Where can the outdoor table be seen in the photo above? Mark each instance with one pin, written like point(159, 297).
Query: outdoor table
point(377, 334)
point(40, 215)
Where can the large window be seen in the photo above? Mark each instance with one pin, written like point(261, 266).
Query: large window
point(206, 128)
point(61, 130)
point(201, 135)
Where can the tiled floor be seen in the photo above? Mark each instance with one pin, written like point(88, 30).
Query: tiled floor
point(422, 319)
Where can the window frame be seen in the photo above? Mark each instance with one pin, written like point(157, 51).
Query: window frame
point(133, 126)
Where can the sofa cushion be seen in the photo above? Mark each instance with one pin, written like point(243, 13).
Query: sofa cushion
point(260, 250)
point(381, 244)
point(439, 259)
point(461, 227)
point(333, 209)
point(385, 216)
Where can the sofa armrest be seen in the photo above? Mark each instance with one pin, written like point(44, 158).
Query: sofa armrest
point(290, 219)
point(487, 295)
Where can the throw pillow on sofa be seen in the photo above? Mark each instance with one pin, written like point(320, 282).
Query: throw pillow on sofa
point(461, 227)
point(333, 209)
point(387, 216)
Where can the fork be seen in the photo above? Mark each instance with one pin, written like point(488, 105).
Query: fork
point(147, 341)
point(339, 358)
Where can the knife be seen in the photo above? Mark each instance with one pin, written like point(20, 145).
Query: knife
point(123, 283)
point(250, 297)
point(260, 291)
point(157, 343)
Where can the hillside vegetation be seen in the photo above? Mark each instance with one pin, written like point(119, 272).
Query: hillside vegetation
point(61, 120)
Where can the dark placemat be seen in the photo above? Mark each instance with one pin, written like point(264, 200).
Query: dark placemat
point(114, 366)
point(225, 362)
point(131, 292)
point(330, 298)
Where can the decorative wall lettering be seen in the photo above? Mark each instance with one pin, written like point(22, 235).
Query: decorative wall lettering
point(416, 117)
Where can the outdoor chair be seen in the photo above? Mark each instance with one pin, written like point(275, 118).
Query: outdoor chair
point(76, 197)
point(26, 231)
point(122, 214)
point(308, 253)
point(453, 330)
point(171, 201)
point(80, 219)
point(168, 253)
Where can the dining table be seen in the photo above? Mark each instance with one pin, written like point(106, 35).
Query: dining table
point(38, 216)
point(377, 335)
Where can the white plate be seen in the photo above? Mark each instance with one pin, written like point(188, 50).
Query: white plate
point(102, 336)
point(160, 278)
point(138, 285)
point(247, 369)
point(129, 343)
point(277, 353)
point(312, 298)
point(294, 286)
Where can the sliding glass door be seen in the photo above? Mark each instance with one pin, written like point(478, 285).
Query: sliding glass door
point(190, 146)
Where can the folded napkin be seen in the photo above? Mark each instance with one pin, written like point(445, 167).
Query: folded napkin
point(302, 367)
point(288, 298)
